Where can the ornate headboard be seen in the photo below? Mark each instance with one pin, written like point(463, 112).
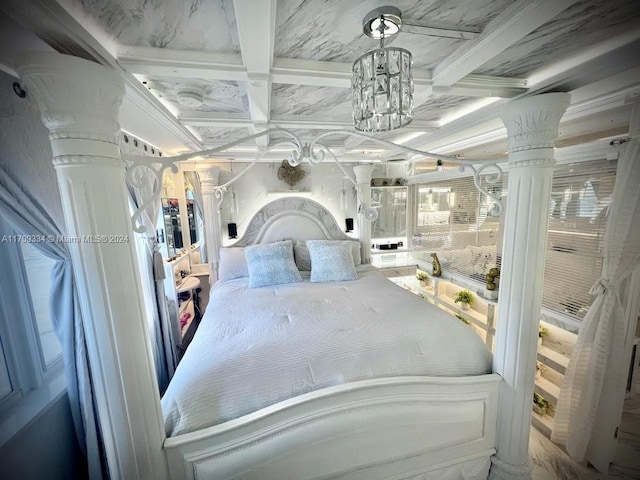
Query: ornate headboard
point(293, 218)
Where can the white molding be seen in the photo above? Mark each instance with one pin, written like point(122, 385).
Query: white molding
point(514, 23)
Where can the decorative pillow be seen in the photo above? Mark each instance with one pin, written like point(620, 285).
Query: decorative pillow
point(271, 264)
point(303, 259)
point(331, 261)
point(233, 264)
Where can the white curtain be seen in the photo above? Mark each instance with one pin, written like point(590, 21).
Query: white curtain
point(29, 217)
point(152, 273)
point(598, 354)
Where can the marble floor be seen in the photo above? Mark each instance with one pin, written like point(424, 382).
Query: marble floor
point(552, 463)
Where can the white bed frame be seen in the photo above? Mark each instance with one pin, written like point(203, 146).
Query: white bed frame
point(79, 101)
point(395, 427)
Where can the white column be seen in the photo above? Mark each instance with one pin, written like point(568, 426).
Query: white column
point(363, 187)
point(212, 226)
point(532, 127)
point(79, 102)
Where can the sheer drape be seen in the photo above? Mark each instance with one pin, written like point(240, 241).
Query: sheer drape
point(601, 342)
point(28, 217)
point(152, 273)
point(194, 180)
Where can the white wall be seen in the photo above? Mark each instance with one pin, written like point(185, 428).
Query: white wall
point(322, 183)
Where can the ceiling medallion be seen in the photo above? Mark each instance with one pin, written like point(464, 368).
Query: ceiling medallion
point(382, 83)
point(190, 98)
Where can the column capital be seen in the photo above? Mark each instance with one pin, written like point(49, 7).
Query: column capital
point(78, 100)
point(532, 122)
point(363, 173)
point(209, 178)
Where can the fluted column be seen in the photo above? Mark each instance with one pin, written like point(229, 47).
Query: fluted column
point(79, 102)
point(363, 187)
point(211, 204)
point(532, 127)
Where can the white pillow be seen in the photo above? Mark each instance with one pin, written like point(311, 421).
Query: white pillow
point(271, 264)
point(233, 264)
point(331, 261)
point(303, 259)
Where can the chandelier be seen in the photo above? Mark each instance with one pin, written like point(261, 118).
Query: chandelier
point(382, 84)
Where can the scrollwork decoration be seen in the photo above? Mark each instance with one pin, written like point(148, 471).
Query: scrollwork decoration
point(314, 153)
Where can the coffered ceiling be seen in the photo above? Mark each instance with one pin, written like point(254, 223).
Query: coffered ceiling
point(202, 73)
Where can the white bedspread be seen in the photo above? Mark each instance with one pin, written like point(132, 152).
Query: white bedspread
point(256, 347)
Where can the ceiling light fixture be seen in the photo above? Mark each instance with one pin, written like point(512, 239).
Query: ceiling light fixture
point(382, 84)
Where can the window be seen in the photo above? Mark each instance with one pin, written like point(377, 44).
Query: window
point(30, 353)
point(459, 223)
point(5, 380)
point(37, 268)
point(580, 199)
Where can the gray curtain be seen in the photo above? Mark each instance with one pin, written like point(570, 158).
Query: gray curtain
point(165, 355)
point(28, 217)
point(194, 180)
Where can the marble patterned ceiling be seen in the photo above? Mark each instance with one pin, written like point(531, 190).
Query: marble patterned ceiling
point(332, 29)
point(325, 102)
point(200, 25)
point(321, 38)
point(586, 22)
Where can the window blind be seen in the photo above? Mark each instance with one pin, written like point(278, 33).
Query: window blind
point(580, 198)
point(458, 223)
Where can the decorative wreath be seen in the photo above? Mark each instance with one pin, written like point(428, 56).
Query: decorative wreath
point(290, 175)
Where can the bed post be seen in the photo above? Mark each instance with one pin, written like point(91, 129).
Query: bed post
point(79, 102)
point(212, 231)
point(532, 127)
point(363, 187)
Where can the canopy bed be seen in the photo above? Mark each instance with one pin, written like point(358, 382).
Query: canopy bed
point(412, 424)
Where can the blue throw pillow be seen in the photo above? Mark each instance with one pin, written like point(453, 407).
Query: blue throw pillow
point(271, 264)
point(331, 261)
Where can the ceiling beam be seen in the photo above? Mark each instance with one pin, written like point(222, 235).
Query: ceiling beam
point(256, 23)
point(513, 24)
point(166, 62)
point(484, 86)
point(409, 26)
point(227, 120)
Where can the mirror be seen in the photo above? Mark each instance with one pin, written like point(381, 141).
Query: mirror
point(193, 226)
point(172, 226)
point(391, 204)
point(191, 186)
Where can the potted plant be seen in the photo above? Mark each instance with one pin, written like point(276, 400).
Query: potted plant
point(540, 367)
point(540, 405)
point(542, 332)
point(423, 277)
point(464, 298)
point(439, 164)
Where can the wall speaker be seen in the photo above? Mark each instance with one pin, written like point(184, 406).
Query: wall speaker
point(349, 222)
point(233, 230)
